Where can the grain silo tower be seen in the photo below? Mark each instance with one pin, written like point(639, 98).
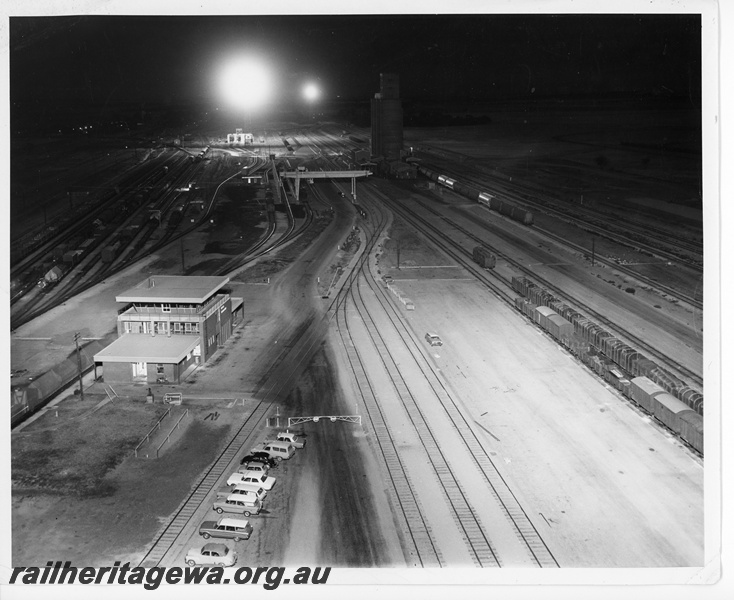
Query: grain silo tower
point(387, 119)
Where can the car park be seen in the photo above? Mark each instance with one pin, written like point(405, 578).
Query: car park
point(243, 504)
point(277, 450)
point(226, 527)
point(211, 554)
point(263, 481)
point(433, 339)
point(298, 441)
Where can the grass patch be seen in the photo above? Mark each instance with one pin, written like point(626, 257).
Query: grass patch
point(71, 454)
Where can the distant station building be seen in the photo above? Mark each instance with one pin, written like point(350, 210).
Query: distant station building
point(387, 119)
point(239, 138)
point(168, 326)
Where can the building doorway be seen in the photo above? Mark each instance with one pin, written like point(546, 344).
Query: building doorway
point(140, 369)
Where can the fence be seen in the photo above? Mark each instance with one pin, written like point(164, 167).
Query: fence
point(168, 437)
point(155, 427)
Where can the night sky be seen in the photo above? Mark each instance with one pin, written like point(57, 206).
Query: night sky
point(105, 60)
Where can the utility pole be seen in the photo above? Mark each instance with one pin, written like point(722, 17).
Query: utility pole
point(79, 363)
point(593, 252)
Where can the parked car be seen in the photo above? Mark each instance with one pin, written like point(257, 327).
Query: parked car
point(211, 554)
point(298, 441)
point(235, 478)
point(433, 339)
point(226, 527)
point(260, 457)
point(238, 503)
point(250, 489)
point(277, 450)
point(263, 481)
point(251, 493)
point(253, 467)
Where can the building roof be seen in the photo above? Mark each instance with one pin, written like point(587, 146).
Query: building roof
point(136, 347)
point(173, 289)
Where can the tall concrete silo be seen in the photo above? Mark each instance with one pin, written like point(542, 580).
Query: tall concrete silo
point(387, 118)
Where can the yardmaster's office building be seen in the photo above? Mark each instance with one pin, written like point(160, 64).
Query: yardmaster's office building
point(168, 326)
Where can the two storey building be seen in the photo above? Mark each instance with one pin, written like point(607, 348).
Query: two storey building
point(168, 326)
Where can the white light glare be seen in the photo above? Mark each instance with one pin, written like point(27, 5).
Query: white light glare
point(245, 83)
point(311, 92)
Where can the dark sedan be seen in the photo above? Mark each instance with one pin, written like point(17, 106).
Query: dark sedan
point(259, 457)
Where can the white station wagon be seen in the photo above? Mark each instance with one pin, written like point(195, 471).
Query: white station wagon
point(277, 450)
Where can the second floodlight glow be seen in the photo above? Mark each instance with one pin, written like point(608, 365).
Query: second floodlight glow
point(311, 92)
point(246, 83)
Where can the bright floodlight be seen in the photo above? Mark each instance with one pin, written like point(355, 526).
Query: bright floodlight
point(245, 83)
point(311, 92)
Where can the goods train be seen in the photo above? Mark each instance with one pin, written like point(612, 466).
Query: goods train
point(661, 394)
point(503, 207)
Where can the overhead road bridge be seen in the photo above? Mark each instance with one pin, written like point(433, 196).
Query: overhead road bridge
point(298, 175)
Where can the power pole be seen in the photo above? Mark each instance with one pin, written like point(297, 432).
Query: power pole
point(593, 251)
point(79, 363)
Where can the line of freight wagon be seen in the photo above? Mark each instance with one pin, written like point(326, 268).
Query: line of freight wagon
point(676, 405)
point(500, 205)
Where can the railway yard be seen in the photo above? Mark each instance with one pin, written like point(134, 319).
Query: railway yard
point(558, 424)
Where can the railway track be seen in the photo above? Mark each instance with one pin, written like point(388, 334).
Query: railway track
point(463, 257)
point(692, 301)
point(89, 272)
point(422, 546)
point(592, 221)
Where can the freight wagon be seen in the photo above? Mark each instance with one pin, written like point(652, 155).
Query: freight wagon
point(483, 257)
point(109, 253)
point(502, 206)
point(629, 359)
point(585, 339)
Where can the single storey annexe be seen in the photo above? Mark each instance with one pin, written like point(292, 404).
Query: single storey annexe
point(168, 326)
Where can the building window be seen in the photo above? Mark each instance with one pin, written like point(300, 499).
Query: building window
point(176, 327)
point(161, 327)
point(128, 327)
point(191, 327)
point(159, 369)
point(146, 326)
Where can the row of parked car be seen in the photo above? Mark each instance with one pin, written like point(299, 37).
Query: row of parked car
point(243, 494)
